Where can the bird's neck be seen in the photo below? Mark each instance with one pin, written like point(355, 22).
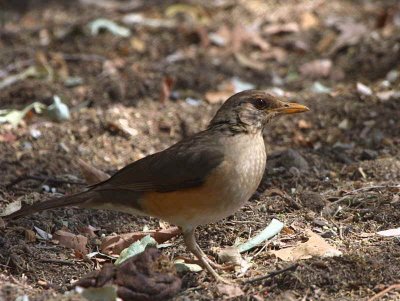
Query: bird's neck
point(236, 128)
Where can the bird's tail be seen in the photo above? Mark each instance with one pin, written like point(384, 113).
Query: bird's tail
point(70, 200)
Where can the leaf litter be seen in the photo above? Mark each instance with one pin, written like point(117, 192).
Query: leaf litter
point(132, 82)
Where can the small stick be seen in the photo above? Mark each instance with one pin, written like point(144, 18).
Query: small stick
point(350, 193)
point(292, 267)
point(384, 292)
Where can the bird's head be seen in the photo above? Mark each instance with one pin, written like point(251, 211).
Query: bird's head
point(250, 110)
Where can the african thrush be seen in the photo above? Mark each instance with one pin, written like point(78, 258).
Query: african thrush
point(199, 180)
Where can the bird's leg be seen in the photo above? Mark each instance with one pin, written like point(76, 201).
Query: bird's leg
point(191, 244)
point(211, 262)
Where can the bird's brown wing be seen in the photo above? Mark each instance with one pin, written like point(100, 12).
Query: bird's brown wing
point(183, 165)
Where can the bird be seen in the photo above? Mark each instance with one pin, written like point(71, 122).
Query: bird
point(199, 180)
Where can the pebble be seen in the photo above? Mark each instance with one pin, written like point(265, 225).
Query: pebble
point(368, 154)
point(27, 145)
point(35, 133)
point(363, 89)
point(193, 101)
point(392, 76)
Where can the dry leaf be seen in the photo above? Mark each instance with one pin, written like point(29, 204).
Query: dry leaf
point(70, 240)
point(230, 290)
point(287, 231)
point(7, 209)
point(116, 243)
point(315, 246)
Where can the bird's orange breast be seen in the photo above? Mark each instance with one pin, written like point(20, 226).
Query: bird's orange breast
point(194, 205)
point(224, 191)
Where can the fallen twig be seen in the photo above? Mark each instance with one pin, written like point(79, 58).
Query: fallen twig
point(351, 193)
point(384, 292)
point(292, 267)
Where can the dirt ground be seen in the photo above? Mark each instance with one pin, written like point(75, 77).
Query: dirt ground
point(334, 170)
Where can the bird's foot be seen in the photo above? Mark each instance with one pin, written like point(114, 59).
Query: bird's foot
point(215, 265)
point(211, 266)
point(211, 262)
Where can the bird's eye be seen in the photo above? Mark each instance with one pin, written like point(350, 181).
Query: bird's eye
point(260, 104)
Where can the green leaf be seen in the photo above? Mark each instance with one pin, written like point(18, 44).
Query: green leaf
point(136, 248)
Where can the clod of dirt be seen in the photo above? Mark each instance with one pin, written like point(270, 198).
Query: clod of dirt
point(368, 154)
point(313, 201)
point(145, 277)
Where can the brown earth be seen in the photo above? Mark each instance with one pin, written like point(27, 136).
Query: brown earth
point(346, 148)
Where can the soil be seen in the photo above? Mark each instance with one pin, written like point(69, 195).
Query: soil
point(334, 170)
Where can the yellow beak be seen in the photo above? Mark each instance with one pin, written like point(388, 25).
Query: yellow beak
point(291, 108)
